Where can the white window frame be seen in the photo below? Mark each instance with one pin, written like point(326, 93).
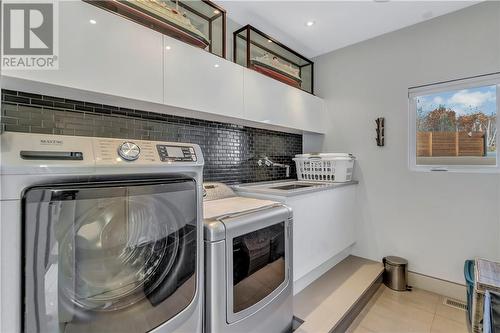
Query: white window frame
point(413, 93)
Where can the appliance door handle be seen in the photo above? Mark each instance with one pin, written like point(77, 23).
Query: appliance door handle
point(51, 155)
point(439, 169)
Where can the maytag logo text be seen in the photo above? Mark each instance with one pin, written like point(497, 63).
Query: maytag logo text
point(51, 142)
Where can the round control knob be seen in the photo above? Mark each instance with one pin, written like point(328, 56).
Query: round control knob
point(129, 151)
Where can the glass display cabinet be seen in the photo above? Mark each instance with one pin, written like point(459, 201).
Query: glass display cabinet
point(264, 54)
point(200, 23)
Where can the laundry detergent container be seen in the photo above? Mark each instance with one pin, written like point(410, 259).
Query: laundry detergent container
point(396, 273)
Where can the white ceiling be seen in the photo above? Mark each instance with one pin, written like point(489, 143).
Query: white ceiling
point(337, 23)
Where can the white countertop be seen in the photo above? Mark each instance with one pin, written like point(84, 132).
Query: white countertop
point(270, 187)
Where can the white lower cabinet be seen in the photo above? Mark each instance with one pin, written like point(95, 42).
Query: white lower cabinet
point(324, 226)
point(198, 80)
point(114, 56)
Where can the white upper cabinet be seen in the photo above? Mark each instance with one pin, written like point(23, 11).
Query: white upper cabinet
point(198, 80)
point(113, 56)
point(272, 102)
point(307, 112)
point(264, 99)
point(104, 53)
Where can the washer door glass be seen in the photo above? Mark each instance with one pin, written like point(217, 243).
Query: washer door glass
point(109, 258)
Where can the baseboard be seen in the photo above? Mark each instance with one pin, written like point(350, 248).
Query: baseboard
point(313, 275)
point(438, 286)
point(357, 307)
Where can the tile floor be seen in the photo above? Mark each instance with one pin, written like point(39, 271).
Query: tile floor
point(418, 311)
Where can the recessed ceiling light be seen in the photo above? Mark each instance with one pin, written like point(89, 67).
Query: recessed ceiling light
point(269, 41)
point(92, 21)
point(216, 65)
point(168, 47)
point(216, 11)
point(310, 23)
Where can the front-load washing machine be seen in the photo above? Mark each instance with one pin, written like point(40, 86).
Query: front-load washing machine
point(248, 263)
point(100, 235)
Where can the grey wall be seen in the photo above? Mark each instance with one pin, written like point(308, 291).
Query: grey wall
point(436, 220)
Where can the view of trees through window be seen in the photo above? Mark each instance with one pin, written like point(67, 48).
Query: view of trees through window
point(460, 124)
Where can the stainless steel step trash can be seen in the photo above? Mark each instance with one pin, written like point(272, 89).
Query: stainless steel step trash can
point(396, 273)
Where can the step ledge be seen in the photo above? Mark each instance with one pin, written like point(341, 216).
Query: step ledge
point(354, 280)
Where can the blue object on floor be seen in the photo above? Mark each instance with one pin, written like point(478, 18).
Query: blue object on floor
point(469, 282)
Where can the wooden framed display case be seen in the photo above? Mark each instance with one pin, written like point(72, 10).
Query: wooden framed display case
point(264, 54)
point(200, 23)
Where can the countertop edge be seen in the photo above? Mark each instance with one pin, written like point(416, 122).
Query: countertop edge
point(249, 188)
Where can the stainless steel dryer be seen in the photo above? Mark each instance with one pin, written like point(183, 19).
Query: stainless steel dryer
point(100, 235)
point(248, 266)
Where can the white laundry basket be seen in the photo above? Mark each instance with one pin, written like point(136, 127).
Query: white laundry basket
point(333, 167)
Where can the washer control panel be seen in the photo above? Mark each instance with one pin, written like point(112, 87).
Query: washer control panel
point(170, 153)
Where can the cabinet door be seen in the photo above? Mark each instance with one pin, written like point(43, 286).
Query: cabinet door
point(304, 111)
point(264, 99)
point(323, 226)
point(270, 101)
point(198, 80)
point(113, 56)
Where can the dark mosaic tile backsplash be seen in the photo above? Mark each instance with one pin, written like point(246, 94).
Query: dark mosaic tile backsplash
point(231, 151)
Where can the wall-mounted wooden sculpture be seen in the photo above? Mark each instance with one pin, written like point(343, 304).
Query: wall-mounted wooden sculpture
point(380, 131)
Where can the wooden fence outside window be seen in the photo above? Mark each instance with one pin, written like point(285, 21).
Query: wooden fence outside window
point(451, 144)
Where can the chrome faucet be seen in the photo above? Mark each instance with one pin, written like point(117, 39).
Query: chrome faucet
point(267, 162)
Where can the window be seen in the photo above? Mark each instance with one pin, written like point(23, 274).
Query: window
point(453, 126)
